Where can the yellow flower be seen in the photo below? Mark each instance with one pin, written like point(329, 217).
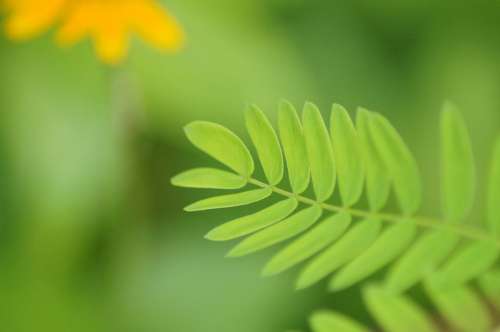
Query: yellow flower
point(108, 22)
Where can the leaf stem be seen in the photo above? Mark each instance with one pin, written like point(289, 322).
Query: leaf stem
point(467, 232)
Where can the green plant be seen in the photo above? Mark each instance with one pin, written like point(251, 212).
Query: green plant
point(443, 253)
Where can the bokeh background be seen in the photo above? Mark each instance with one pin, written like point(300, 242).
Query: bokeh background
point(92, 234)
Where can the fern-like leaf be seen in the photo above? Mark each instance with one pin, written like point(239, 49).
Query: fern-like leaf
point(368, 158)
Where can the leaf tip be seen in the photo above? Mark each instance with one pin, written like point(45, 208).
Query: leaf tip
point(174, 180)
point(235, 252)
point(252, 109)
point(284, 103)
point(212, 236)
point(188, 128)
point(338, 109)
point(310, 106)
point(334, 285)
point(449, 106)
point(302, 283)
point(190, 208)
point(268, 272)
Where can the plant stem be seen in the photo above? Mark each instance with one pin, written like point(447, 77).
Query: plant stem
point(468, 232)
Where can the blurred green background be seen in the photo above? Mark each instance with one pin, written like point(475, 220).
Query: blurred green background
point(93, 236)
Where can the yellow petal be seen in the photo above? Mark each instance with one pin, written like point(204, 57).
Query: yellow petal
point(32, 17)
point(79, 22)
point(156, 26)
point(110, 37)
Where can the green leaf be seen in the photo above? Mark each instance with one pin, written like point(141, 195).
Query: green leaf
point(396, 313)
point(266, 143)
point(462, 308)
point(421, 259)
point(231, 200)
point(378, 181)
point(294, 147)
point(400, 163)
point(308, 244)
point(329, 321)
point(279, 232)
point(347, 152)
point(384, 250)
point(469, 263)
point(494, 191)
point(458, 171)
point(320, 152)
point(253, 222)
point(359, 237)
point(221, 144)
point(490, 286)
point(208, 178)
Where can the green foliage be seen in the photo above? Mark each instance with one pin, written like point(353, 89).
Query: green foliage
point(309, 244)
point(385, 249)
point(396, 313)
point(378, 180)
point(266, 142)
point(494, 191)
point(230, 200)
point(216, 141)
point(253, 222)
point(320, 153)
point(294, 146)
point(279, 232)
point(428, 252)
point(347, 151)
point(458, 173)
point(460, 307)
point(370, 158)
point(399, 161)
point(328, 321)
point(209, 178)
point(355, 241)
